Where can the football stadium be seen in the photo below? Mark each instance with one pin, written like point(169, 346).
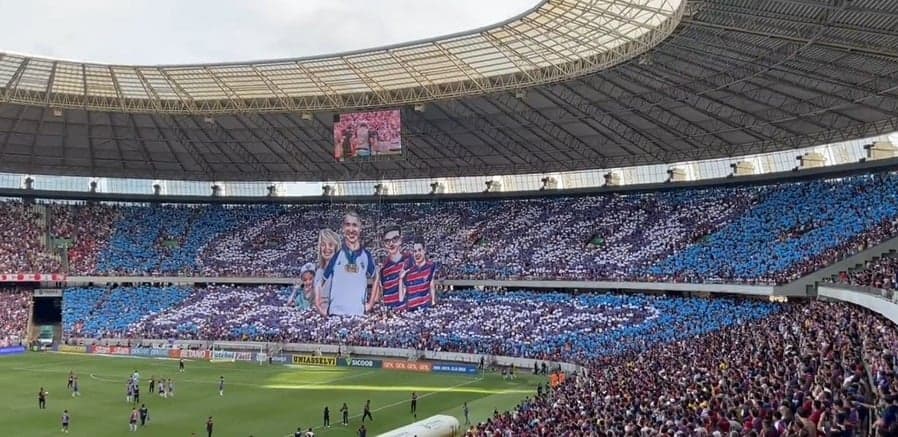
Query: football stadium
point(591, 218)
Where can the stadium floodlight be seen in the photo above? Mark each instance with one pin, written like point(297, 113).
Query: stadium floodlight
point(209, 120)
point(420, 107)
point(520, 94)
point(308, 116)
point(57, 112)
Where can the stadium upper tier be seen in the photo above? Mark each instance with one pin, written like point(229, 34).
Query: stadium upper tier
point(570, 85)
point(711, 234)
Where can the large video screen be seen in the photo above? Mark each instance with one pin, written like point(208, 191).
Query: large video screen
point(362, 135)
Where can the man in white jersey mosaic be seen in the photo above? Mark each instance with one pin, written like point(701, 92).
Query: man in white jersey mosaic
point(349, 270)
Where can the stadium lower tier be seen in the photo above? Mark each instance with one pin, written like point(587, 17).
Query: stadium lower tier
point(656, 365)
point(771, 233)
point(551, 326)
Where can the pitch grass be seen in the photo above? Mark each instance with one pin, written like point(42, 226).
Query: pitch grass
point(263, 401)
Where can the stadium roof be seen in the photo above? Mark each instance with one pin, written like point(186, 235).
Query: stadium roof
point(555, 40)
point(568, 85)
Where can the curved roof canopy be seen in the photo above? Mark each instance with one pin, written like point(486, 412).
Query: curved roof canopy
point(735, 77)
point(554, 41)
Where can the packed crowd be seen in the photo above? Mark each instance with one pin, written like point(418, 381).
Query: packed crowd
point(20, 241)
point(550, 326)
point(696, 235)
point(111, 312)
point(166, 240)
point(656, 365)
point(793, 230)
point(790, 374)
point(85, 228)
point(881, 273)
point(15, 310)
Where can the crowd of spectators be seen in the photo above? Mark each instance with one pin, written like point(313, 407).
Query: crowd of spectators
point(551, 326)
point(111, 312)
point(21, 250)
point(85, 229)
point(766, 234)
point(881, 273)
point(793, 230)
point(798, 372)
point(15, 310)
point(159, 239)
point(654, 365)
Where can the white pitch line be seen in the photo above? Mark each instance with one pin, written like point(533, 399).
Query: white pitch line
point(248, 384)
point(394, 404)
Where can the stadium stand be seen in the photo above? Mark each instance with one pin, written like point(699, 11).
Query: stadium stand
point(100, 312)
point(20, 244)
point(158, 239)
point(881, 273)
point(15, 309)
point(695, 235)
point(552, 326)
point(656, 365)
point(85, 229)
point(797, 227)
point(788, 374)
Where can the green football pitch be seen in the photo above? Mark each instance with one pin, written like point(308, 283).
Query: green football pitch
point(263, 401)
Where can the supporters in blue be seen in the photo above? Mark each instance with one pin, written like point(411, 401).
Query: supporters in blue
point(715, 233)
point(530, 324)
point(656, 365)
point(790, 226)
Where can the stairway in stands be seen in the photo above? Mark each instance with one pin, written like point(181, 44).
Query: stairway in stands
point(810, 282)
point(42, 219)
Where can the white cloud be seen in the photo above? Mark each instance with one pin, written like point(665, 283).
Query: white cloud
point(182, 31)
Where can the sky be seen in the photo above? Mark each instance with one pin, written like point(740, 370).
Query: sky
point(152, 32)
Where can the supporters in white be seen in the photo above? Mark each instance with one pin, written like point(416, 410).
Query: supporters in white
point(349, 271)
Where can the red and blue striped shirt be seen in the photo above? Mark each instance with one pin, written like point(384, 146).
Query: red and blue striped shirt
point(417, 285)
point(389, 280)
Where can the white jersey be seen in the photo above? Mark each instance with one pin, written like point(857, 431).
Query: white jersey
point(348, 272)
